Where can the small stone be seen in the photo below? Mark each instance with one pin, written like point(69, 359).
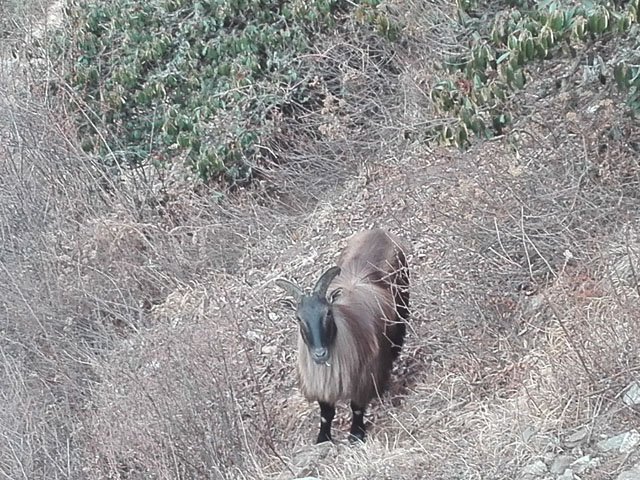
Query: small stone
point(632, 394)
point(577, 437)
point(633, 474)
point(584, 464)
point(536, 301)
point(515, 170)
point(269, 349)
point(253, 336)
point(567, 475)
point(560, 464)
point(528, 432)
point(536, 469)
point(273, 316)
point(630, 441)
point(593, 108)
point(623, 443)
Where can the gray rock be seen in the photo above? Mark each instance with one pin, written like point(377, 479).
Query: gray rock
point(584, 464)
point(623, 443)
point(528, 433)
point(567, 475)
point(254, 336)
point(560, 464)
point(633, 474)
point(631, 395)
point(536, 469)
point(536, 301)
point(577, 437)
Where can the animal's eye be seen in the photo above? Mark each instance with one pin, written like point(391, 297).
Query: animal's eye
point(304, 331)
point(328, 318)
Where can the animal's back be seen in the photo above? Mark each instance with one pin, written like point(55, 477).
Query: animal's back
point(372, 255)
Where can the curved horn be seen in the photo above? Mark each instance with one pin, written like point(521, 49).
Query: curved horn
point(291, 288)
point(323, 283)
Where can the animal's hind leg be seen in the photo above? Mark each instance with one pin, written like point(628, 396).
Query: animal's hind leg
point(397, 339)
point(402, 304)
point(327, 411)
point(399, 330)
point(357, 431)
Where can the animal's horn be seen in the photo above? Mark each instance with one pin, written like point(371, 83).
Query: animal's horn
point(323, 283)
point(291, 288)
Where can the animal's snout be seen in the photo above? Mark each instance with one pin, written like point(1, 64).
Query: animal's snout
point(320, 355)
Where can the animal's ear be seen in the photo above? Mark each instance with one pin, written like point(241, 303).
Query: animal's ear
point(335, 294)
point(291, 288)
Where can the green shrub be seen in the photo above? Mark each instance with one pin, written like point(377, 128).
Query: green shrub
point(199, 80)
point(498, 46)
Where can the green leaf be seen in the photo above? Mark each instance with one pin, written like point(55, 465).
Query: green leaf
point(622, 75)
point(519, 78)
point(530, 49)
point(623, 24)
point(477, 126)
point(498, 92)
point(477, 82)
point(467, 115)
point(592, 23)
point(603, 21)
point(480, 58)
point(461, 136)
point(497, 34)
point(503, 57)
point(510, 75)
point(579, 27)
point(557, 21)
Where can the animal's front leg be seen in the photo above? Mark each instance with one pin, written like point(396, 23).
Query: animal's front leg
point(357, 423)
point(327, 412)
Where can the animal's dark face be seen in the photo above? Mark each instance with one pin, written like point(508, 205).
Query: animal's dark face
point(315, 314)
point(317, 326)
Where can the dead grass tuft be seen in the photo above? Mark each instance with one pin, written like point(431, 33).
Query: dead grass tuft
point(141, 334)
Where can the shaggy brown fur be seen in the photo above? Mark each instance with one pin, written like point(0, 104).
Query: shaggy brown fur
point(373, 280)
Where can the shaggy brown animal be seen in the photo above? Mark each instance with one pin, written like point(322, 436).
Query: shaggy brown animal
point(349, 340)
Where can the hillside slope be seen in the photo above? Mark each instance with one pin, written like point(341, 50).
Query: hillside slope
point(142, 335)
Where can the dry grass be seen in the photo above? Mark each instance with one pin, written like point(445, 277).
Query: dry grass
point(141, 335)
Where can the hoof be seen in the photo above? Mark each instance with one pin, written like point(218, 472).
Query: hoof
point(357, 437)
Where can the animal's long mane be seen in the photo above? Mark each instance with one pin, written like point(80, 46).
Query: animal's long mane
point(360, 357)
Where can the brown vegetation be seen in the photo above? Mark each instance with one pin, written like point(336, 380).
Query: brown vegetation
point(140, 331)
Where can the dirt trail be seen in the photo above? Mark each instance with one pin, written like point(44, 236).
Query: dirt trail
point(51, 21)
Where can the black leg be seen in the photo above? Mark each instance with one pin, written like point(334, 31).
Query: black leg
point(357, 423)
point(403, 307)
point(402, 316)
point(397, 340)
point(326, 417)
point(402, 298)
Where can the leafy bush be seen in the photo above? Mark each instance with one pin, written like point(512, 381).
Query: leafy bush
point(201, 80)
point(499, 46)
